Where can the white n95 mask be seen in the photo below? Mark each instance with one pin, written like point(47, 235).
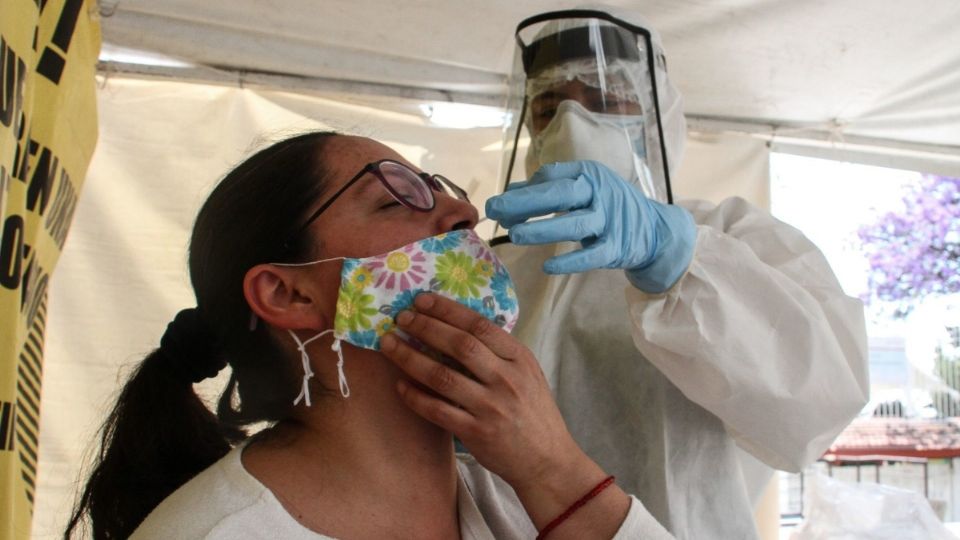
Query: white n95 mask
point(575, 133)
point(373, 290)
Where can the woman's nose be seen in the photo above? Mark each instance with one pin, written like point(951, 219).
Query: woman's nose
point(454, 214)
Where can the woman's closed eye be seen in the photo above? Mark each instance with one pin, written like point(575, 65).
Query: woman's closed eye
point(389, 202)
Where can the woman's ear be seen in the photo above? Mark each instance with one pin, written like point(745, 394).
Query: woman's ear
point(282, 297)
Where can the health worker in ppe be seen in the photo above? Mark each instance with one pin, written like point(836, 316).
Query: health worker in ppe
point(679, 340)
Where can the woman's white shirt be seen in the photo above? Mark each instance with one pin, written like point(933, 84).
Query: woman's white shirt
point(227, 502)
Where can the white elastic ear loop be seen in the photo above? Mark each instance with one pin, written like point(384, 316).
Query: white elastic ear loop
point(308, 373)
point(341, 377)
point(311, 263)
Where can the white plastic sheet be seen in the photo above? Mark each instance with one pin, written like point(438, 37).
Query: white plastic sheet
point(839, 510)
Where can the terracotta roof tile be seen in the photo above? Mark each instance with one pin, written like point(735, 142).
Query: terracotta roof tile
point(911, 437)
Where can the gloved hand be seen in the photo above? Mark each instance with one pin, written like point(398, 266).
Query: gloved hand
point(615, 223)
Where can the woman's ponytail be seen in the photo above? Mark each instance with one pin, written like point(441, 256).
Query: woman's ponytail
point(158, 435)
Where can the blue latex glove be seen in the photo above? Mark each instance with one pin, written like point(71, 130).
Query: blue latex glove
point(615, 223)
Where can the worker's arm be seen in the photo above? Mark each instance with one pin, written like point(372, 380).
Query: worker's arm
point(759, 332)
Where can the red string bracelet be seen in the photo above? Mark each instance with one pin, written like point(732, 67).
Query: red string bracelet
point(575, 506)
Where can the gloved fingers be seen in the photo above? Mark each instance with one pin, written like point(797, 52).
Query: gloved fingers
point(517, 185)
point(561, 170)
point(575, 226)
point(597, 255)
point(518, 205)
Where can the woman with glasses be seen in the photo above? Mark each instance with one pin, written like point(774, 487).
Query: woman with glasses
point(308, 262)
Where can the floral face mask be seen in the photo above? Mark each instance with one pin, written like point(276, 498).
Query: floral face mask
point(373, 290)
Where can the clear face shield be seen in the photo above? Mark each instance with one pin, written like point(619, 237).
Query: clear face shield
point(583, 87)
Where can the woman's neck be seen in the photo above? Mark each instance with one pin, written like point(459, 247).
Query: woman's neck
point(367, 464)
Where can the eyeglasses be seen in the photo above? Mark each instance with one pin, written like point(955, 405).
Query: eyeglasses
point(410, 188)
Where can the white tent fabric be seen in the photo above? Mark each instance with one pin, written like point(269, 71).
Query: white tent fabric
point(884, 72)
point(162, 146)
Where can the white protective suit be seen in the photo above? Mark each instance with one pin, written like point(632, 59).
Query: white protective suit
point(756, 346)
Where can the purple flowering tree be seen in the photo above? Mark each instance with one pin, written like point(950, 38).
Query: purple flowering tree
point(915, 252)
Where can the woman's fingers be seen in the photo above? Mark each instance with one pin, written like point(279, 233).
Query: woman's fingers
point(436, 410)
point(460, 317)
point(437, 376)
point(461, 345)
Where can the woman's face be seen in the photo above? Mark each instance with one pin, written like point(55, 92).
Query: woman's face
point(366, 220)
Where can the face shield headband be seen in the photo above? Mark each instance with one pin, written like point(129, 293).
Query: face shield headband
point(578, 44)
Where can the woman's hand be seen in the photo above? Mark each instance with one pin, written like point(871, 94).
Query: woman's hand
point(502, 410)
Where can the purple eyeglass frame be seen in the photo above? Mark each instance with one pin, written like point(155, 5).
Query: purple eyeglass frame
point(434, 183)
